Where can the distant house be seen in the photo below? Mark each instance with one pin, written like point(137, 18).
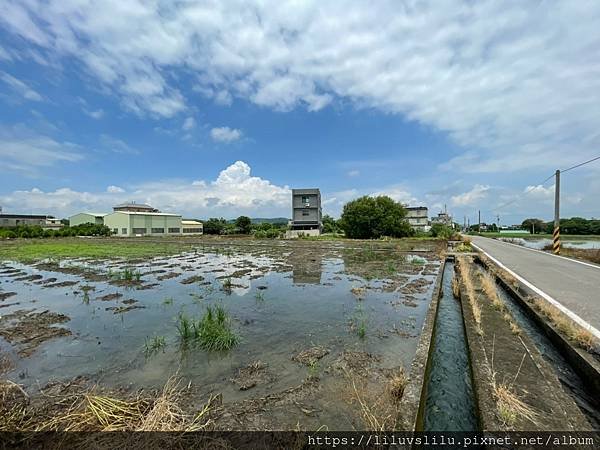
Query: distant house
point(192, 226)
point(15, 220)
point(418, 218)
point(306, 213)
point(442, 218)
point(86, 217)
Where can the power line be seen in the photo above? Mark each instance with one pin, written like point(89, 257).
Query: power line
point(531, 188)
point(581, 164)
point(527, 191)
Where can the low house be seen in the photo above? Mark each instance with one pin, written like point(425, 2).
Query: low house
point(189, 226)
point(133, 223)
point(418, 218)
point(86, 217)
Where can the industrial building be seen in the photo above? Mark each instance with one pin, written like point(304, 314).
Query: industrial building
point(15, 220)
point(418, 218)
point(138, 219)
point(132, 223)
point(86, 217)
point(306, 213)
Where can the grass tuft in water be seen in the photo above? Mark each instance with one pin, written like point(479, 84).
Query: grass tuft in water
point(153, 345)
point(212, 332)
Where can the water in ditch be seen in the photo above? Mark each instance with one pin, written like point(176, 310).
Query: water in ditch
point(449, 404)
point(575, 386)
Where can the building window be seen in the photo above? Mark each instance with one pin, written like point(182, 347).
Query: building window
point(158, 230)
point(115, 230)
point(123, 230)
point(305, 199)
point(305, 213)
point(139, 231)
point(174, 230)
point(192, 230)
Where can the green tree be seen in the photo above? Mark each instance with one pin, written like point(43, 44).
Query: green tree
point(533, 225)
point(330, 225)
point(374, 217)
point(214, 225)
point(244, 224)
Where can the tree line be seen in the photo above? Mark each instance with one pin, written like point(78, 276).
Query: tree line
point(574, 225)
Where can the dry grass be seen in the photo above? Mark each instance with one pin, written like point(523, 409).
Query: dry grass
point(488, 283)
point(465, 264)
point(378, 409)
point(580, 336)
point(395, 387)
point(88, 411)
point(510, 406)
point(455, 287)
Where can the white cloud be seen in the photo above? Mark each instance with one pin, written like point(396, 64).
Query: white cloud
point(189, 124)
point(114, 189)
point(234, 192)
point(97, 114)
point(225, 134)
point(20, 87)
point(479, 192)
point(353, 173)
point(24, 151)
point(116, 145)
point(477, 70)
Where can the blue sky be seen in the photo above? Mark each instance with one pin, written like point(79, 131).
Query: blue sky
point(219, 108)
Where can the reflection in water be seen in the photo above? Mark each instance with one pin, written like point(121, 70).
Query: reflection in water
point(306, 268)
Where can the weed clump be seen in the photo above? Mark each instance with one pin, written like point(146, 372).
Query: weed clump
point(212, 332)
point(154, 345)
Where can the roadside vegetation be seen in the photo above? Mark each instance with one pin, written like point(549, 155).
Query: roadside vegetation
point(374, 217)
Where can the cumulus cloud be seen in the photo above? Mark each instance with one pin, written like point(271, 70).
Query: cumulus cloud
point(234, 192)
point(476, 70)
point(479, 192)
point(225, 134)
point(20, 87)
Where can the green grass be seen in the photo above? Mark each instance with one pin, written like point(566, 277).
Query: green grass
point(154, 345)
point(212, 332)
point(168, 301)
point(35, 249)
point(126, 274)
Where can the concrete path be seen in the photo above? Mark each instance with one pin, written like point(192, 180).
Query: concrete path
point(572, 286)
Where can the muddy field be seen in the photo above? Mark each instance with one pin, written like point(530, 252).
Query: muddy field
point(313, 322)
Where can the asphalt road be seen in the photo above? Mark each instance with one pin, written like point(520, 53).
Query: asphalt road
point(576, 286)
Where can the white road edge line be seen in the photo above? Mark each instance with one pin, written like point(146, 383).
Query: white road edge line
point(546, 253)
point(551, 300)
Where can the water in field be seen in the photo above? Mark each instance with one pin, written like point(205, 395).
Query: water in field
point(539, 244)
point(282, 301)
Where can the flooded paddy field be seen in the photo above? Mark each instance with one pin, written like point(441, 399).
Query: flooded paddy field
point(314, 323)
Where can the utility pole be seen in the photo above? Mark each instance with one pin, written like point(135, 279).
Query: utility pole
point(479, 223)
point(556, 233)
point(465, 224)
